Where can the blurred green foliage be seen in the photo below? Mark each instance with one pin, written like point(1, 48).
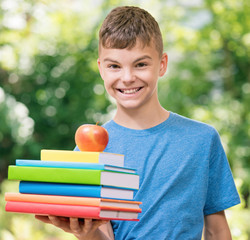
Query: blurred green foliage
point(24, 226)
point(49, 82)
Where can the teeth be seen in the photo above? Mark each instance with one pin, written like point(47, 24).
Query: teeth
point(130, 91)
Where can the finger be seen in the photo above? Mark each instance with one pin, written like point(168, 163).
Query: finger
point(93, 224)
point(87, 224)
point(55, 220)
point(44, 219)
point(75, 225)
point(66, 219)
point(96, 224)
point(64, 225)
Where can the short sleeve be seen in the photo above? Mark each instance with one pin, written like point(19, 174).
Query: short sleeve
point(221, 191)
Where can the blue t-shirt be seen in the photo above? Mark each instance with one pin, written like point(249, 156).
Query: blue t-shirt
point(184, 175)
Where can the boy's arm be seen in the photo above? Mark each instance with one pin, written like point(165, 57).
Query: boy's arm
point(216, 227)
point(89, 229)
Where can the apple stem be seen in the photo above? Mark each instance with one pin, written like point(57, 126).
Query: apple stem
point(97, 122)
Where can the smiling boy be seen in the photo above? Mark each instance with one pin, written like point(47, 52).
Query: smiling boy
point(130, 77)
point(185, 179)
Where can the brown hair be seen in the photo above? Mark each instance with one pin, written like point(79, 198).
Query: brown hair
point(124, 25)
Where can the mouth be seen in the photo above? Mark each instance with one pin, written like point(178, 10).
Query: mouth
point(129, 91)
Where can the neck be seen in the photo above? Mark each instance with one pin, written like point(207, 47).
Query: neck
point(141, 118)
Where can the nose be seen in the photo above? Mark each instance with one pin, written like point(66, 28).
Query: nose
point(127, 75)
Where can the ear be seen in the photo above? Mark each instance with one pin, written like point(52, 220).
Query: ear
point(99, 66)
point(163, 64)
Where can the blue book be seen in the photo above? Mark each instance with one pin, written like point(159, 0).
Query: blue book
point(79, 165)
point(78, 190)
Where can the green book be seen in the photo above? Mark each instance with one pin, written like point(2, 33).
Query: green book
point(75, 176)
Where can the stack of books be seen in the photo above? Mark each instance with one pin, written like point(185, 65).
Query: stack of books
point(75, 184)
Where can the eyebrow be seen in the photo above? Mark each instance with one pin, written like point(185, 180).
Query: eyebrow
point(137, 60)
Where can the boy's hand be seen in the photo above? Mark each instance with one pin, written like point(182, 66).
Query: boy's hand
point(86, 229)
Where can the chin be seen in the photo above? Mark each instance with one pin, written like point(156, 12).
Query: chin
point(129, 106)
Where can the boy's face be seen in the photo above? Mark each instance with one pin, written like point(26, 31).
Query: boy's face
point(130, 75)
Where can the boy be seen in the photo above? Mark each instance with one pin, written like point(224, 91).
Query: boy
point(185, 179)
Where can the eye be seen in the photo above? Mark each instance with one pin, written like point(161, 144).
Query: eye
point(141, 64)
point(113, 66)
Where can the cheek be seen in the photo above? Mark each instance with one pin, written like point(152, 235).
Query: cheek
point(106, 85)
point(109, 87)
point(109, 79)
point(149, 77)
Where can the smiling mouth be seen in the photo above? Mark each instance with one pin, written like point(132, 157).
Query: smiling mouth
point(129, 91)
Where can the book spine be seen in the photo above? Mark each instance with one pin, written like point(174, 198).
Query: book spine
point(57, 164)
point(53, 199)
point(60, 189)
point(58, 175)
point(53, 209)
point(77, 165)
point(69, 156)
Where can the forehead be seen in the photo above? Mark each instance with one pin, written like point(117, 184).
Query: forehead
point(138, 49)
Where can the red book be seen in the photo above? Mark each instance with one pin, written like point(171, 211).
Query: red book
point(63, 210)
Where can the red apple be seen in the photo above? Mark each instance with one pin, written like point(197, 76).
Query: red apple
point(92, 138)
